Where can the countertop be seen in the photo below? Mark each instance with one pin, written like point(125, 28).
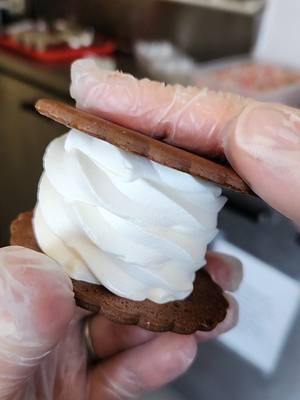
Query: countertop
point(52, 77)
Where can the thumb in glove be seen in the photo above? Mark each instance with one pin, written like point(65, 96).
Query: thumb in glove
point(36, 306)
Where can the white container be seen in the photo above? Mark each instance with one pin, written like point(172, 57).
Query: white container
point(277, 44)
point(287, 94)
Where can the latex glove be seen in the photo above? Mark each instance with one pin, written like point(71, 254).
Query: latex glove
point(261, 141)
point(42, 352)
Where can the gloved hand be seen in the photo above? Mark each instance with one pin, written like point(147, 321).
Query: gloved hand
point(261, 141)
point(42, 351)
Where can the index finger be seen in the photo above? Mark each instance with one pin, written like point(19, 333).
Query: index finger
point(182, 116)
point(262, 142)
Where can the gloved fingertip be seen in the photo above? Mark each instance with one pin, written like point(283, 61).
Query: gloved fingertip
point(181, 350)
point(263, 146)
point(226, 270)
point(36, 296)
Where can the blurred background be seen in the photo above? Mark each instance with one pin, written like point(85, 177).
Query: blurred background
point(223, 44)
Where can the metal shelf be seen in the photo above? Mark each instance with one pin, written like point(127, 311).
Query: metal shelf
point(247, 7)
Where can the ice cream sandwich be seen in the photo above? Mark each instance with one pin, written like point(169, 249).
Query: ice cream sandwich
point(129, 217)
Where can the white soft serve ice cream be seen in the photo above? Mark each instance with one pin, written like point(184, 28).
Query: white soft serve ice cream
point(139, 228)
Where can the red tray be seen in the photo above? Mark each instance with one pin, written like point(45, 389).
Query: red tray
point(58, 53)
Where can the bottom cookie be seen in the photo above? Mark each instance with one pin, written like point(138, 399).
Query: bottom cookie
point(202, 310)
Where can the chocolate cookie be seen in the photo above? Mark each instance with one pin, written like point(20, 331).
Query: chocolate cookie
point(135, 142)
point(202, 310)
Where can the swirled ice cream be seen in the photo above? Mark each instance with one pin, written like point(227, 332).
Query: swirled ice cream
point(108, 216)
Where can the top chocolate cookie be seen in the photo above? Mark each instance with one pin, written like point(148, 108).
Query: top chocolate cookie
point(138, 143)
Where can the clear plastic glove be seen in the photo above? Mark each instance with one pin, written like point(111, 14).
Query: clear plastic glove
point(260, 140)
point(42, 351)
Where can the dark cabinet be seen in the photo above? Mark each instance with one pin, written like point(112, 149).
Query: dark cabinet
point(23, 137)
